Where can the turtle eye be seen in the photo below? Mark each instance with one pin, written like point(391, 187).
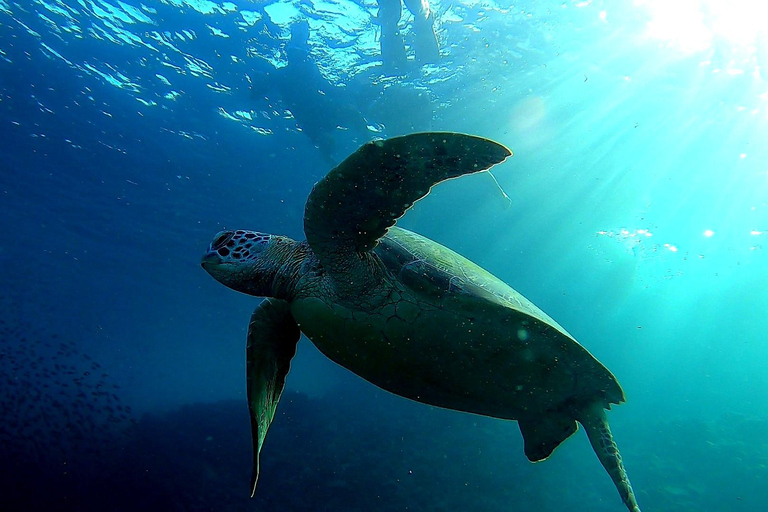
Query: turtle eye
point(221, 239)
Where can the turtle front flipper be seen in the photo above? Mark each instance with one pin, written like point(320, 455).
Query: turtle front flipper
point(352, 207)
point(596, 424)
point(272, 338)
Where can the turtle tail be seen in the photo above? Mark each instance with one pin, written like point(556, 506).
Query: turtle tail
point(599, 432)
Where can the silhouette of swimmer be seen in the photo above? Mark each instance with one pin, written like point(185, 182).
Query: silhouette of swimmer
point(425, 44)
point(320, 108)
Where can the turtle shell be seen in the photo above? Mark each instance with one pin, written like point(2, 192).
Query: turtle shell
point(437, 274)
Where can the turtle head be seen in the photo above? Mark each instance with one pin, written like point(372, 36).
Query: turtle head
point(251, 262)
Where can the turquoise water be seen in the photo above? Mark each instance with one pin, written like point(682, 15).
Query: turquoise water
point(131, 132)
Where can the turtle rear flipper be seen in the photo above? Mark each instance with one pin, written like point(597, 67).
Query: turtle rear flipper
point(272, 338)
point(544, 434)
point(352, 207)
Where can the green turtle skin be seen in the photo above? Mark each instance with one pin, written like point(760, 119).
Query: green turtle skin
point(408, 314)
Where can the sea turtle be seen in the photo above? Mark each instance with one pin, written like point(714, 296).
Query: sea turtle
point(408, 314)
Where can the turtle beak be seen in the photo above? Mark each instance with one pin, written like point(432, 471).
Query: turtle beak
point(211, 260)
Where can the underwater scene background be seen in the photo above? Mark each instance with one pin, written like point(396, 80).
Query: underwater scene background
point(634, 212)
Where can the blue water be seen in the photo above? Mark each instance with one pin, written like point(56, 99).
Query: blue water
point(131, 132)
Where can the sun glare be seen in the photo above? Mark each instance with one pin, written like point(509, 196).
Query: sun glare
point(698, 25)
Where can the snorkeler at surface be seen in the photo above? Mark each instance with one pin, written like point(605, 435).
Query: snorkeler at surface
point(321, 109)
point(425, 44)
point(330, 115)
